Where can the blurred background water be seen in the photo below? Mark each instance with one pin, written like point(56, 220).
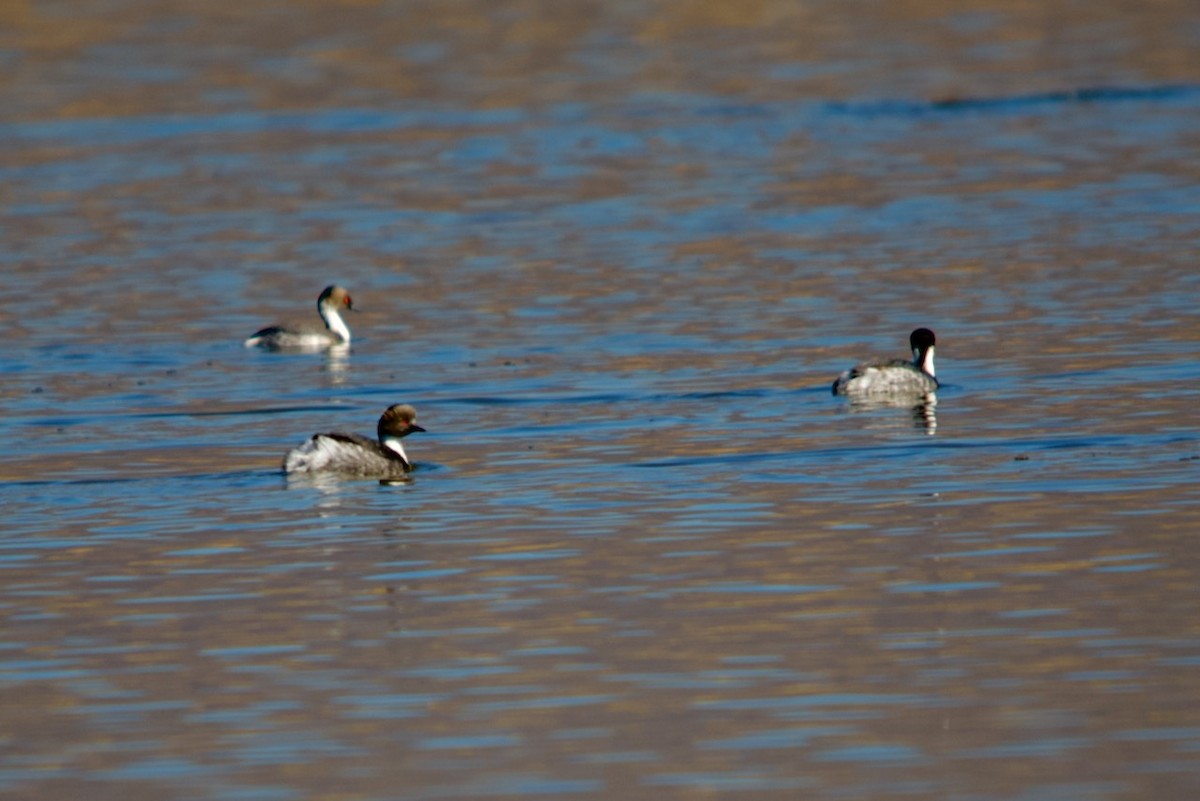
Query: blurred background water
point(614, 253)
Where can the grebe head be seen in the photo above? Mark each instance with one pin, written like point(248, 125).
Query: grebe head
point(334, 298)
point(395, 424)
point(330, 305)
point(922, 341)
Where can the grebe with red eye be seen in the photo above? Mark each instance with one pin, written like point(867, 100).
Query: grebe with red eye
point(336, 333)
point(896, 377)
point(354, 454)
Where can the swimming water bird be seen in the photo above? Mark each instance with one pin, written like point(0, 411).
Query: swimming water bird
point(354, 454)
point(336, 333)
point(896, 377)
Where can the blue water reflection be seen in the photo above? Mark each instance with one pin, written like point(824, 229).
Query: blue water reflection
point(645, 553)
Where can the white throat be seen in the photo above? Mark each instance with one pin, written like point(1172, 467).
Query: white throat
point(393, 445)
point(335, 323)
point(926, 365)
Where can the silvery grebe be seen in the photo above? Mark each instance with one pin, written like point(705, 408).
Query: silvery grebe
point(896, 377)
point(355, 454)
point(336, 333)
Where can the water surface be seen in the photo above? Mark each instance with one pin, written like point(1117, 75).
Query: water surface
point(614, 255)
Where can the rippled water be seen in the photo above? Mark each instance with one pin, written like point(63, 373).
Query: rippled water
point(614, 255)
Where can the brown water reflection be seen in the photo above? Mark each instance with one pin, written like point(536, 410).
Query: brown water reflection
point(615, 253)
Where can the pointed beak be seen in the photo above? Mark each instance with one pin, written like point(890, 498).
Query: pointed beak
point(413, 427)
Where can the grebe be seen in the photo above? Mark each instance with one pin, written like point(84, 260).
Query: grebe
point(894, 378)
point(336, 333)
point(355, 454)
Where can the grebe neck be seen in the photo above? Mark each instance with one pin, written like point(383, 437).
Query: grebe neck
point(335, 323)
point(393, 444)
point(924, 361)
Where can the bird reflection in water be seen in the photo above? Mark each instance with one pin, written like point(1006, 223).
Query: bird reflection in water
point(337, 360)
point(922, 411)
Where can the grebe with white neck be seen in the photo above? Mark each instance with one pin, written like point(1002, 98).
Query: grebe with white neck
point(896, 377)
point(330, 305)
point(355, 454)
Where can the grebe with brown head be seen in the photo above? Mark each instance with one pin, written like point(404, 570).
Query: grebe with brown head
point(330, 305)
point(355, 454)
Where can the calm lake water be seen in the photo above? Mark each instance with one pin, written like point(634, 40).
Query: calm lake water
point(614, 254)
